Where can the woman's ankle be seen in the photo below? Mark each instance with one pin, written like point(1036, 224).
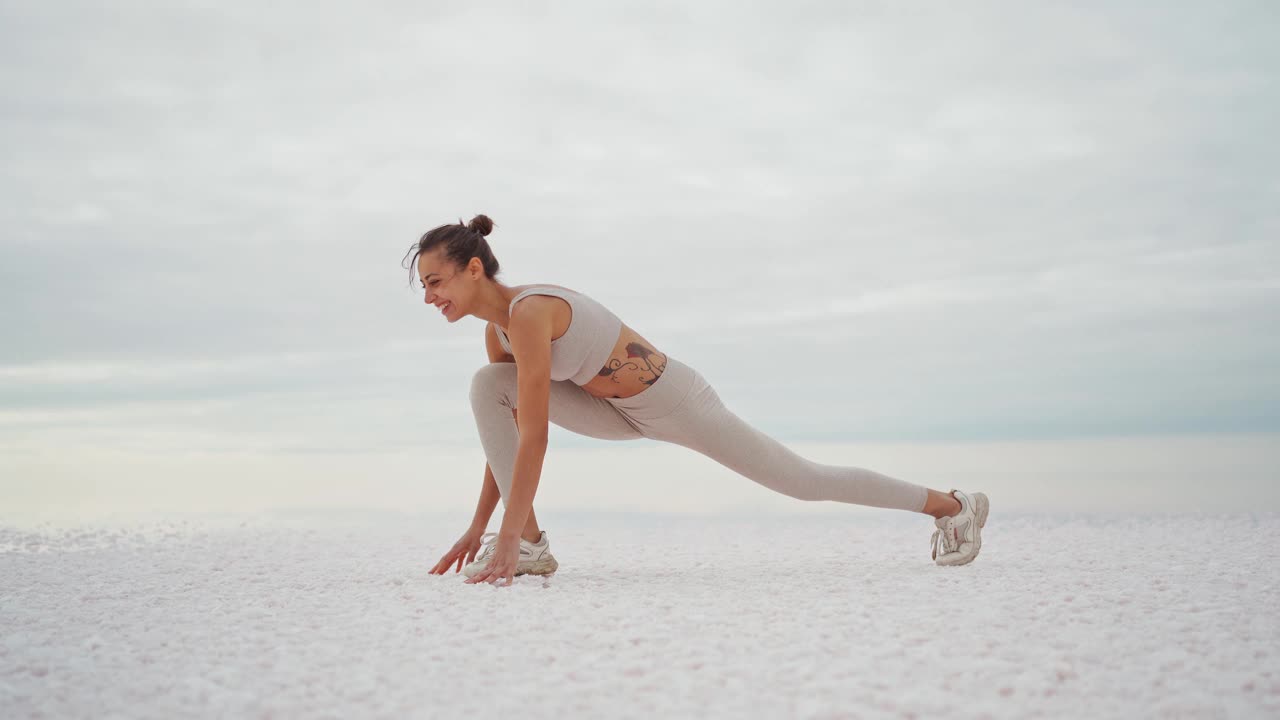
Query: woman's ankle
point(940, 505)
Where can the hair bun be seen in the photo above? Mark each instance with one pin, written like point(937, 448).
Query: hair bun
point(481, 224)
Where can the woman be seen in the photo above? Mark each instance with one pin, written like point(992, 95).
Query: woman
point(562, 357)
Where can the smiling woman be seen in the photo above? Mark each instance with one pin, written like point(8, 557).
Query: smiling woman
point(558, 355)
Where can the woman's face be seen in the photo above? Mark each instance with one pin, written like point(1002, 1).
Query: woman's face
point(443, 284)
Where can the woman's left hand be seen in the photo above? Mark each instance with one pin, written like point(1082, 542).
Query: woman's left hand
point(501, 565)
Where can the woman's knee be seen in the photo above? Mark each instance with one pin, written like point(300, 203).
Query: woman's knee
point(492, 379)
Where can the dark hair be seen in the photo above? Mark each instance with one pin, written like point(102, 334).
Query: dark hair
point(461, 242)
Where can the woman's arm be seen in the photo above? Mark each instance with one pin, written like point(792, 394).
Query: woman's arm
point(530, 338)
point(524, 485)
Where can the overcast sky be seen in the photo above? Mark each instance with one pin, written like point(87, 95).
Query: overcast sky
point(862, 222)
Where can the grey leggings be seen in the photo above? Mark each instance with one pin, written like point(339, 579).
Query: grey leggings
point(679, 407)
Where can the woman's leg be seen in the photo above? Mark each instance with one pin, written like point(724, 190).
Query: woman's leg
point(493, 400)
point(701, 422)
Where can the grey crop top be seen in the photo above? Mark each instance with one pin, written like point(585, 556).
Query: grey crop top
point(586, 346)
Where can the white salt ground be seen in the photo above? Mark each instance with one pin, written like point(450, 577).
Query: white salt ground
point(334, 616)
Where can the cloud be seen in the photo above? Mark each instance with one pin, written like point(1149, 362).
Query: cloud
point(861, 221)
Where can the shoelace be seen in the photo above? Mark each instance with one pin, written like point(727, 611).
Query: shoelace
point(944, 538)
point(490, 541)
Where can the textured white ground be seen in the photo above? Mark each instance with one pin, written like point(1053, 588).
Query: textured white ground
point(296, 615)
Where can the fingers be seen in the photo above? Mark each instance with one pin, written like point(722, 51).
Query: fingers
point(463, 553)
point(481, 576)
point(493, 576)
point(445, 561)
point(466, 558)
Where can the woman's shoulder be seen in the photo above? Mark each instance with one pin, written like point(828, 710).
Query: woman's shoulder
point(536, 286)
point(544, 306)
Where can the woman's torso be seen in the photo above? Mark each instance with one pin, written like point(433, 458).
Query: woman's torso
point(633, 364)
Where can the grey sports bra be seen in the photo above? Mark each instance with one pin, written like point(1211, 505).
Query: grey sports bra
point(586, 346)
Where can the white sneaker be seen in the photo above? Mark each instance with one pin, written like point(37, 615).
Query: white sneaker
point(535, 558)
point(959, 537)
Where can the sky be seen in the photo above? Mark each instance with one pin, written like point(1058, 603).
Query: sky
point(869, 225)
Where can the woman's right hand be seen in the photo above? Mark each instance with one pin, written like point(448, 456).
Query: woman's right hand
point(462, 552)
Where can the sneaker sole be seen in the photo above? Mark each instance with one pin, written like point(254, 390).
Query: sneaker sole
point(546, 566)
point(540, 567)
point(981, 506)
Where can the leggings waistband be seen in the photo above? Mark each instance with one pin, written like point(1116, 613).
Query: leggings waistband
point(661, 398)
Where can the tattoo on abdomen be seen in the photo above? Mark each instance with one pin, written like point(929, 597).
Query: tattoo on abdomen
point(644, 360)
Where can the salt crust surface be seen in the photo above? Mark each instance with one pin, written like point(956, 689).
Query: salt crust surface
point(289, 615)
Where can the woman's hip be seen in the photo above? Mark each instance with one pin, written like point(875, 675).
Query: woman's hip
point(667, 393)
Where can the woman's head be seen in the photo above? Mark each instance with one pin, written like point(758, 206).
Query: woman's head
point(451, 261)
